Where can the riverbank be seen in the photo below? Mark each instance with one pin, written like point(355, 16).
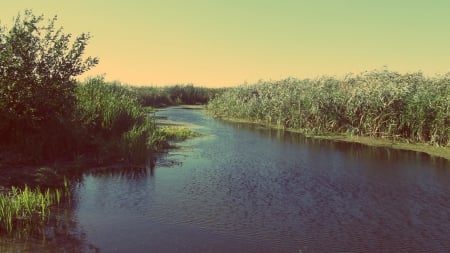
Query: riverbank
point(437, 151)
point(18, 170)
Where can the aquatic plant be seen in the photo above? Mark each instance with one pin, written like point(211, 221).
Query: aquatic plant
point(378, 103)
point(27, 206)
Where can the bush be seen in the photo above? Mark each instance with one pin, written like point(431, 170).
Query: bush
point(37, 69)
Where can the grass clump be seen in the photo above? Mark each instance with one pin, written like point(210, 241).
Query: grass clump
point(22, 207)
point(380, 103)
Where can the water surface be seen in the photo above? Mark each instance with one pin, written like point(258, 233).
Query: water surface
point(242, 188)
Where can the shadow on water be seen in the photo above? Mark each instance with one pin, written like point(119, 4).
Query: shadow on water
point(134, 172)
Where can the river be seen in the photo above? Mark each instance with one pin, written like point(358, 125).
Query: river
point(243, 188)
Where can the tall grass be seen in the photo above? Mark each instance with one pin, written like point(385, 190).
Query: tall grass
point(117, 127)
point(380, 103)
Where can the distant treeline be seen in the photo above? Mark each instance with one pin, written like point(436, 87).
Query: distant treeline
point(380, 103)
point(175, 95)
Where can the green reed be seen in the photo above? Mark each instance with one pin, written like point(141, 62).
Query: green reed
point(28, 206)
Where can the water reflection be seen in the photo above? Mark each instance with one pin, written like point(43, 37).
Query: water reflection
point(122, 172)
point(349, 149)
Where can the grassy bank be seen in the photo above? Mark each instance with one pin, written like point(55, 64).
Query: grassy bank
point(410, 109)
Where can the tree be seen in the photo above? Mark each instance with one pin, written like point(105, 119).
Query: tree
point(38, 64)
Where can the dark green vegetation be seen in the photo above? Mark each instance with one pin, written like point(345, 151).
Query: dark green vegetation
point(175, 95)
point(408, 107)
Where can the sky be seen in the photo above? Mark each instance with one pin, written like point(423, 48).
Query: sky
point(218, 43)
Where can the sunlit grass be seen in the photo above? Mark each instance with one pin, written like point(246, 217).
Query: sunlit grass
point(28, 206)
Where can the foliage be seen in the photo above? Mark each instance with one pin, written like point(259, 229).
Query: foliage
point(38, 64)
point(379, 103)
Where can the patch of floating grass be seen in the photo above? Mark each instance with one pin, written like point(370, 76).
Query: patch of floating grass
point(165, 134)
point(173, 133)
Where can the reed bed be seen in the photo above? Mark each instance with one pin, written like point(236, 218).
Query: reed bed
point(379, 103)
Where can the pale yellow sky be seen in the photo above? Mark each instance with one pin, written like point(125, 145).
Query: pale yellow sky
point(228, 42)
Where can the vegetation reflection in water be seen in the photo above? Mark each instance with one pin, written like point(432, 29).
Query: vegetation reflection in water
point(354, 149)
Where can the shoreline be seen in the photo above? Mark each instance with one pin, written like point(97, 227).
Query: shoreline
point(436, 151)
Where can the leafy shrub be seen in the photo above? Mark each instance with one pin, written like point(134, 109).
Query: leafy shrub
point(38, 64)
